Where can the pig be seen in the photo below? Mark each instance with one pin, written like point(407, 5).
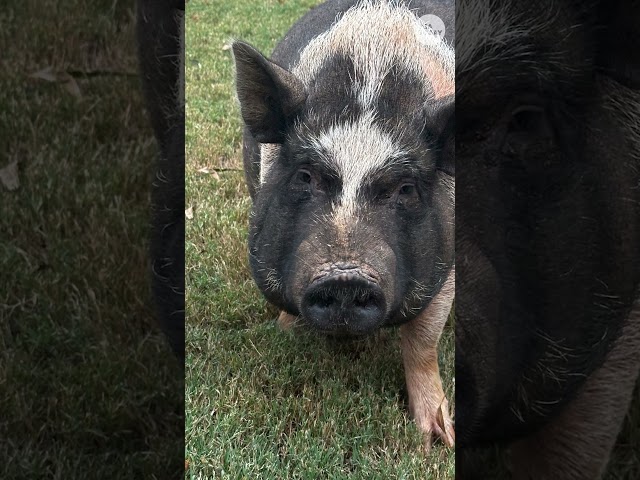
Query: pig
point(547, 235)
point(348, 154)
point(160, 34)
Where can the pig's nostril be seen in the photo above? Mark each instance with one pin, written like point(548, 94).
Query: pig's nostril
point(345, 303)
point(323, 298)
point(364, 299)
point(324, 301)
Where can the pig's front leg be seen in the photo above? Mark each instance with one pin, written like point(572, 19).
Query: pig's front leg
point(419, 339)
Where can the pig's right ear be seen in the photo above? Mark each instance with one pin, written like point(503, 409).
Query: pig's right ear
point(270, 96)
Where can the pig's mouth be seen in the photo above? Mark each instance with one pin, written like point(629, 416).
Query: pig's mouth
point(344, 269)
point(344, 300)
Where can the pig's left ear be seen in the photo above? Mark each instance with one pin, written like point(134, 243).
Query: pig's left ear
point(618, 41)
point(441, 127)
point(269, 95)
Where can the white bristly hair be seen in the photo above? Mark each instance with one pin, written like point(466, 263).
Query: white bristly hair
point(268, 155)
point(380, 36)
point(355, 151)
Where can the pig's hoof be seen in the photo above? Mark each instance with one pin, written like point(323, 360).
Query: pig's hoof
point(286, 321)
point(435, 423)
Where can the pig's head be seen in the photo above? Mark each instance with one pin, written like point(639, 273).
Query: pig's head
point(352, 221)
point(548, 224)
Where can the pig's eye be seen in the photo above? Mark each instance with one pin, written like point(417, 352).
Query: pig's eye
point(529, 129)
point(394, 193)
point(407, 189)
point(530, 119)
point(407, 193)
point(304, 176)
point(307, 181)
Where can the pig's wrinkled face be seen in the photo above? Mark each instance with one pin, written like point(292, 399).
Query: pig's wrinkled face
point(547, 219)
point(352, 226)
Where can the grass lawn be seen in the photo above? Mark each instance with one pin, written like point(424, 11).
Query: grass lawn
point(262, 403)
point(89, 388)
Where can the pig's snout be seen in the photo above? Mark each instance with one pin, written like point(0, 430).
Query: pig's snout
point(344, 303)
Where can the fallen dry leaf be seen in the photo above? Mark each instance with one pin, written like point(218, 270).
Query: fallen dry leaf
point(189, 213)
point(72, 86)
point(67, 80)
point(45, 74)
point(9, 176)
point(208, 171)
